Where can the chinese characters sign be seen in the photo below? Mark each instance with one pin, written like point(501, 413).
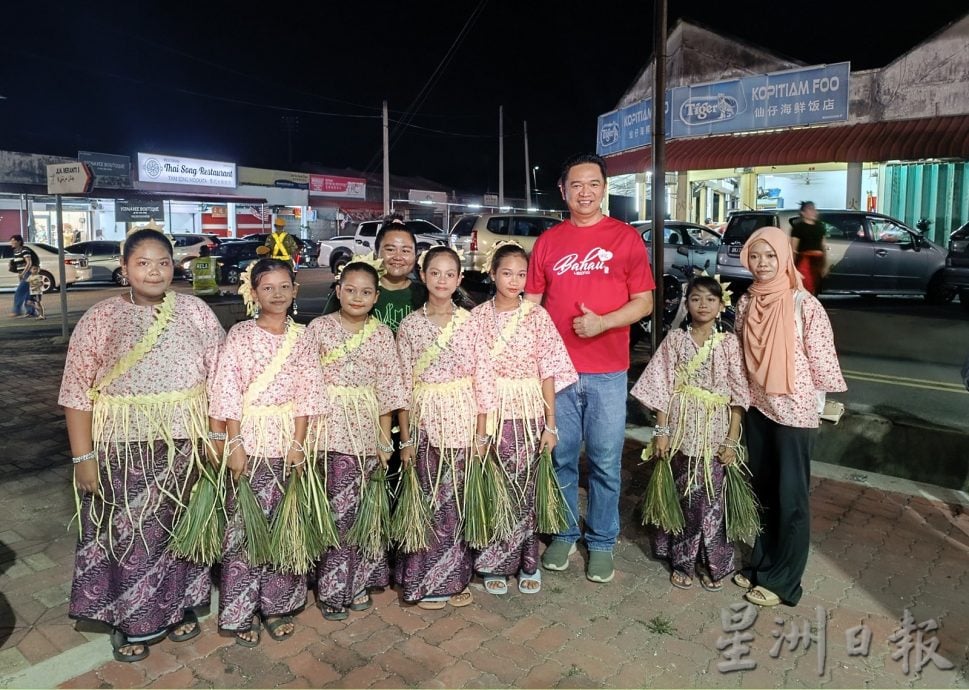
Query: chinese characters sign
point(344, 187)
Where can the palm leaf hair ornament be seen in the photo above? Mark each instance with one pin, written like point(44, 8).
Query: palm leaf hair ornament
point(490, 256)
point(245, 289)
point(369, 260)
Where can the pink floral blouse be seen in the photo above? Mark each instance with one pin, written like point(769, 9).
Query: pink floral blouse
point(247, 353)
point(185, 356)
point(816, 368)
point(374, 364)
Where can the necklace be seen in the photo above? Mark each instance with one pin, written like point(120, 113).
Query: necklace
point(517, 318)
point(352, 353)
point(689, 329)
point(428, 316)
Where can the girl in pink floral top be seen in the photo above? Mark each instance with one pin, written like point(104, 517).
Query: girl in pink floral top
point(789, 353)
point(269, 383)
point(135, 393)
point(532, 365)
point(364, 387)
point(451, 385)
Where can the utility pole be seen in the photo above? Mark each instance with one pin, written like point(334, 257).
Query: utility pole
point(290, 124)
point(386, 184)
point(528, 170)
point(658, 180)
point(501, 156)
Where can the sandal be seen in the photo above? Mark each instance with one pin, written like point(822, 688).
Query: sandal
point(361, 602)
point(681, 581)
point(274, 624)
point(534, 581)
point(709, 584)
point(496, 584)
point(119, 641)
point(762, 597)
point(432, 604)
point(334, 613)
point(742, 580)
point(189, 619)
point(462, 598)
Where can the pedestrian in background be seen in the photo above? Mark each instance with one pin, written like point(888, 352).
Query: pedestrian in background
point(23, 258)
point(592, 274)
point(281, 245)
point(790, 356)
point(807, 242)
point(36, 286)
point(134, 393)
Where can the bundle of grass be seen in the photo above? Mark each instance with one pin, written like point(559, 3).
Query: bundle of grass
point(288, 542)
point(370, 532)
point(320, 531)
point(255, 525)
point(551, 509)
point(489, 514)
point(740, 506)
point(662, 504)
point(411, 522)
point(199, 531)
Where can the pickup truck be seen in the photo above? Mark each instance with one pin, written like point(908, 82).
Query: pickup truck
point(336, 251)
point(427, 234)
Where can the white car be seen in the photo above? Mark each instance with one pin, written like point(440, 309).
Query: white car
point(76, 266)
point(336, 251)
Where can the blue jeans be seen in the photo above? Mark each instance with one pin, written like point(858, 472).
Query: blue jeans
point(592, 410)
point(20, 296)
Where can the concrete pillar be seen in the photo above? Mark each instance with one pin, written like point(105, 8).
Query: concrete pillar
point(642, 184)
point(748, 190)
point(230, 215)
point(853, 186)
point(683, 197)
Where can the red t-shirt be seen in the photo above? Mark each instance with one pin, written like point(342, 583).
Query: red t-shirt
point(600, 266)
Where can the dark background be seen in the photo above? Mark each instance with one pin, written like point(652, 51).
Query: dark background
point(218, 79)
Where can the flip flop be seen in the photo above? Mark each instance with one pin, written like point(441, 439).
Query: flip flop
point(119, 640)
point(274, 624)
point(762, 597)
point(535, 577)
point(361, 602)
point(461, 599)
point(431, 604)
point(333, 613)
point(680, 581)
point(496, 584)
point(189, 619)
point(709, 584)
point(741, 580)
point(253, 627)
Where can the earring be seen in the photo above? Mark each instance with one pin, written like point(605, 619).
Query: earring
point(255, 311)
point(131, 295)
point(295, 308)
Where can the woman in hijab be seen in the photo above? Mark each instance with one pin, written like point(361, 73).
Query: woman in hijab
point(790, 357)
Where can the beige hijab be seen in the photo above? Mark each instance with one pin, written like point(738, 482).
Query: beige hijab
point(769, 333)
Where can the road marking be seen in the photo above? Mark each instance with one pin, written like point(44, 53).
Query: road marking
point(888, 379)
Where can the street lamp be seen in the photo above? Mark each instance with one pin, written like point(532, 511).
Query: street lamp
point(535, 182)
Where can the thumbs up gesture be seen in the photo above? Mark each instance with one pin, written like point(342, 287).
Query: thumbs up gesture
point(589, 324)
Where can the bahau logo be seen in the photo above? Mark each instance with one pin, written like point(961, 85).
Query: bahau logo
point(595, 260)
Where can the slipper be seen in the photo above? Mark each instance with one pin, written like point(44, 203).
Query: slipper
point(361, 602)
point(535, 578)
point(496, 584)
point(189, 619)
point(431, 604)
point(762, 597)
point(243, 642)
point(681, 581)
point(119, 640)
point(461, 599)
point(332, 613)
point(741, 580)
point(274, 624)
point(709, 584)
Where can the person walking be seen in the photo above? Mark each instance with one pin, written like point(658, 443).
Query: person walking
point(23, 259)
point(592, 274)
point(807, 242)
point(36, 285)
point(789, 353)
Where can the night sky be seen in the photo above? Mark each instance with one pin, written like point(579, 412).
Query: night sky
point(218, 79)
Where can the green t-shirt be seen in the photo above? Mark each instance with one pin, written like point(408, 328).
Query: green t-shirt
point(393, 305)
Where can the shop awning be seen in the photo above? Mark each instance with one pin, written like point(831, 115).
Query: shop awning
point(906, 140)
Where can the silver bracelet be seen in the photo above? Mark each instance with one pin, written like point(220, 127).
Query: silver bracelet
point(84, 458)
point(385, 447)
point(298, 446)
point(554, 430)
point(231, 444)
point(406, 444)
point(217, 436)
point(661, 431)
point(482, 439)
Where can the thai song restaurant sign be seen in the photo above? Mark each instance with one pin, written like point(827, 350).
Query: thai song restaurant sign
point(159, 168)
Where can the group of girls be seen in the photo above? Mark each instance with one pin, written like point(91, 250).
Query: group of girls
point(156, 396)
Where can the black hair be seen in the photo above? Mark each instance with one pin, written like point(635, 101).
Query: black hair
point(393, 223)
point(504, 251)
point(707, 283)
point(132, 241)
point(18, 238)
point(805, 204)
point(435, 251)
point(360, 267)
point(582, 159)
point(264, 266)
point(204, 250)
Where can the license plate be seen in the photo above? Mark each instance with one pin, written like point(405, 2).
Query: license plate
point(734, 250)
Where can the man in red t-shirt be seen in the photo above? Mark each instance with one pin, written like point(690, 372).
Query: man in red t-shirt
point(592, 274)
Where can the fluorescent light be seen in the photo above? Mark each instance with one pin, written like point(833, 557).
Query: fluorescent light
point(532, 209)
point(474, 205)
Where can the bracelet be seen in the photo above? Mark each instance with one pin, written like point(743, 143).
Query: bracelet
point(554, 430)
point(482, 439)
point(84, 458)
point(730, 443)
point(385, 447)
point(231, 444)
point(661, 431)
point(217, 435)
point(406, 444)
point(296, 445)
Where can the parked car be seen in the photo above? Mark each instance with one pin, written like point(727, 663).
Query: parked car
point(234, 257)
point(684, 244)
point(476, 233)
point(303, 246)
point(956, 275)
point(869, 253)
point(76, 266)
point(425, 232)
point(336, 251)
point(186, 247)
point(104, 258)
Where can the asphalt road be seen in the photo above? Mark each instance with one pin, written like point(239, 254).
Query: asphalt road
point(901, 357)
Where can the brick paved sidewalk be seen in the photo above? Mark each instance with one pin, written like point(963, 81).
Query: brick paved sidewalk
point(875, 553)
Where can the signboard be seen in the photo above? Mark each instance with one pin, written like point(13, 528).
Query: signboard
point(109, 170)
point(332, 185)
point(155, 167)
point(138, 210)
point(630, 127)
point(263, 177)
point(490, 199)
point(69, 178)
point(419, 196)
point(807, 96)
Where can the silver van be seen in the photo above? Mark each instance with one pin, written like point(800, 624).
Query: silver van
point(869, 253)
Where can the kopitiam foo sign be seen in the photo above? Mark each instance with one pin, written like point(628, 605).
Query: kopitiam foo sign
point(155, 167)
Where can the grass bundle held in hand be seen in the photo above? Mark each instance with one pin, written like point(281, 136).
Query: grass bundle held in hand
point(288, 537)
point(371, 530)
point(740, 506)
point(488, 511)
point(662, 504)
point(254, 522)
point(551, 510)
point(199, 531)
point(319, 531)
point(411, 521)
